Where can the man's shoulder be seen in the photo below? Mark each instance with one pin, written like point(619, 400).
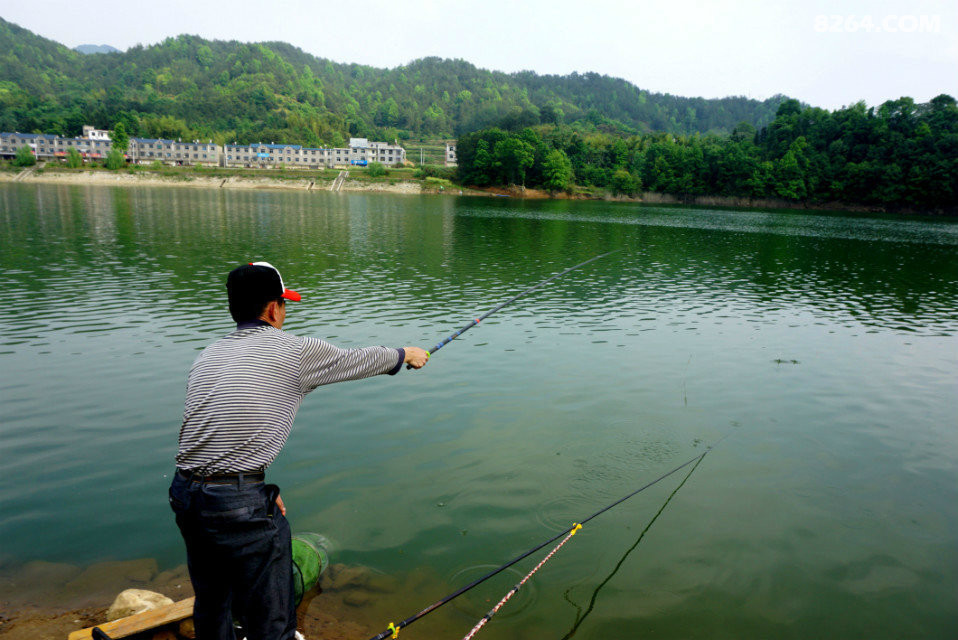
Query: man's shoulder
point(265, 335)
point(252, 338)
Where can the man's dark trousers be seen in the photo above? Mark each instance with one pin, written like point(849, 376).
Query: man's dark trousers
point(239, 554)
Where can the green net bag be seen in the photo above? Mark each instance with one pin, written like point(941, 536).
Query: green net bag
point(310, 559)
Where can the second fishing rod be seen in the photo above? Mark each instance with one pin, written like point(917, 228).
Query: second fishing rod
point(521, 294)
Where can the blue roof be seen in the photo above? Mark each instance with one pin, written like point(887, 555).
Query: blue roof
point(154, 140)
point(31, 136)
point(263, 144)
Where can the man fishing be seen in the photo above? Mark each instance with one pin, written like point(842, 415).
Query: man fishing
point(242, 395)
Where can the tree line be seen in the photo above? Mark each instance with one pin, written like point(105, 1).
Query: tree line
point(898, 155)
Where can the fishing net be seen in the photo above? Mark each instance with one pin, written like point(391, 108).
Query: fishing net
point(310, 559)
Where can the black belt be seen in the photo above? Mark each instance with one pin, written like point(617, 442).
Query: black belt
point(223, 478)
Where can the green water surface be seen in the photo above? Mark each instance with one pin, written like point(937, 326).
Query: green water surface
point(824, 346)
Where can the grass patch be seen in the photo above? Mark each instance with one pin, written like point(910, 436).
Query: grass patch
point(433, 182)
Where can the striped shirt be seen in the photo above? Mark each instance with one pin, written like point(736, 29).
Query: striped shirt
point(243, 392)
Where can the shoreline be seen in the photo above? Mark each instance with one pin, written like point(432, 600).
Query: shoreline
point(48, 600)
point(413, 186)
point(197, 180)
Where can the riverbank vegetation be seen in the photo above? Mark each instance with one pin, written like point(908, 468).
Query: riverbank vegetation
point(901, 155)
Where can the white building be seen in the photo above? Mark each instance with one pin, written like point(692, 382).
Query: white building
point(95, 134)
point(362, 152)
point(451, 154)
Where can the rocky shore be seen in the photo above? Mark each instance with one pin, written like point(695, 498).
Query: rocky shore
point(198, 180)
point(47, 600)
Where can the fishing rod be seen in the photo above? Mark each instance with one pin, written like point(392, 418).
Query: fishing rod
point(522, 293)
point(392, 631)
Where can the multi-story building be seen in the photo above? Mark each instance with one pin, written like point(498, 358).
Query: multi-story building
point(362, 152)
point(268, 155)
point(359, 153)
point(96, 144)
point(46, 146)
point(96, 147)
point(451, 154)
point(147, 150)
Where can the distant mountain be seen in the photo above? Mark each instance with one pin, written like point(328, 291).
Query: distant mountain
point(188, 87)
point(96, 48)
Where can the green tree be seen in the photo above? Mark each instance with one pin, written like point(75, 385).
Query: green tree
point(204, 55)
point(789, 177)
point(514, 157)
point(624, 183)
point(376, 170)
point(557, 171)
point(760, 182)
point(74, 161)
point(484, 166)
point(119, 136)
point(551, 114)
point(115, 159)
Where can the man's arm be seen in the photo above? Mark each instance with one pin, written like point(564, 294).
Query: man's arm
point(322, 363)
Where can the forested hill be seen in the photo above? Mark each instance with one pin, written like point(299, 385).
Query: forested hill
point(189, 87)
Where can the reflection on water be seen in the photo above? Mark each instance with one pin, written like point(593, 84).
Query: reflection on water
point(825, 344)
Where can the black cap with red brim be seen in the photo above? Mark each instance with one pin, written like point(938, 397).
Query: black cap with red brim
point(288, 294)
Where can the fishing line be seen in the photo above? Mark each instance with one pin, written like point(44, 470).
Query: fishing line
point(580, 617)
point(522, 293)
point(393, 629)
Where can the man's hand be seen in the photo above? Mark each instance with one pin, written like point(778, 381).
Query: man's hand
point(279, 503)
point(416, 357)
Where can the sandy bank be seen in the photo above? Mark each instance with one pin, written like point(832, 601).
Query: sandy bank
point(149, 179)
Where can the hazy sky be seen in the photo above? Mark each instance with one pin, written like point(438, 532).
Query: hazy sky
point(886, 49)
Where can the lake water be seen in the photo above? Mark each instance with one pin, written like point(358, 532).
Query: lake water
point(824, 346)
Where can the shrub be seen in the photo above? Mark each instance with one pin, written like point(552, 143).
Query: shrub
point(376, 170)
point(25, 157)
point(432, 171)
point(74, 160)
point(115, 160)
